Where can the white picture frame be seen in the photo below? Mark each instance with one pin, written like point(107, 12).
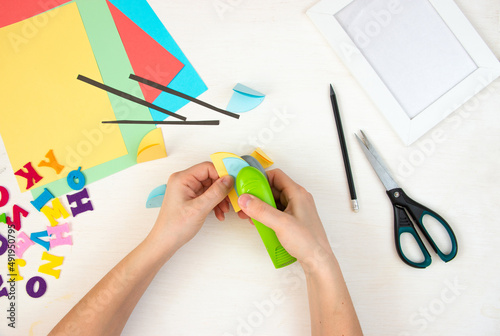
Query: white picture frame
point(409, 126)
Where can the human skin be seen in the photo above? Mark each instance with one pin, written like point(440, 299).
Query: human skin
point(190, 196)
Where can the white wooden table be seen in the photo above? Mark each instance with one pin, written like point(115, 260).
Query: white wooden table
point(222, 282)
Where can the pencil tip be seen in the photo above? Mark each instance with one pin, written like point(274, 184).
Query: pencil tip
point(331, 90)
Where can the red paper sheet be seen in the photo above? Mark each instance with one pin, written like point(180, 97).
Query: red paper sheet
point(147, 57)
point(12, 11)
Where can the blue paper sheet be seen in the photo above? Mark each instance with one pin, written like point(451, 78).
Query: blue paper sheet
point(187, 80)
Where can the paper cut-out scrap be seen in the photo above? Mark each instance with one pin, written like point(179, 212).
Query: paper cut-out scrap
point(80, 206)
point(53, 262)
point(152, 147)
point(59, 235)
point(217, 160)
point(51, 162)
point(4, 196)
point(162, 122)
point(181, 95)
point(147, 57)
point(18, 10)
point(22, 244)
point(14, 269)
point(36, 238)
point(55, 212)
point(187, 80)
point(254, 163)
point(127, 96)
point(262, 157)
point(233, 166)
point(41, 200)
point(244, 99)
point(45, 72)
point(156, 196)
point(32, 283)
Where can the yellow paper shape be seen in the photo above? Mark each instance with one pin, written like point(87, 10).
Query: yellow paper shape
point(262, 157)
point(221, 170)
point(152, 147)
point(44, 106)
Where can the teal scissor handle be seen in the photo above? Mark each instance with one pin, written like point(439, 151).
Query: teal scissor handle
point(407, 211)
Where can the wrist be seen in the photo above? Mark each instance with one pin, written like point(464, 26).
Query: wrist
point(322, 263)
point(161, 248)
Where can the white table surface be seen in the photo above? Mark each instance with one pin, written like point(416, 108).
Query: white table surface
point(214, 284)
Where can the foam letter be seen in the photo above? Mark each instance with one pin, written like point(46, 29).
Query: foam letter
point(80, 206)
point(53, 261)
point(14, 269)
point(59, 231)
point(23, 242)
point(3, 292)
point(41, 200)
point(52, 162)
point(4, 245)
point(30, 175)
point(4, 196)
point(56, 211)
point(35, 236)
point(76, 175)
point(17, 212)
point(30, 287)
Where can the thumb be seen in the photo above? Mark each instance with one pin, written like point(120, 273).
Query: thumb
point(260, 210)
point(215, 194)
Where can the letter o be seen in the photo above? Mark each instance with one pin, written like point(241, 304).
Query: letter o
point(30, 287)
point(4, 196)
point(76, 175)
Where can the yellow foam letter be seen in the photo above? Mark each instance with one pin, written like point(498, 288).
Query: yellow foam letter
point(48, 268)
point(56, 211)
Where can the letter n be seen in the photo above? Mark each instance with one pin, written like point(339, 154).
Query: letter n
point(48, 268)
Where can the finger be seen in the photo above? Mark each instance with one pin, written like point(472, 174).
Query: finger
point(224, 206)
point(243, 215)
point(261, 211)
point(219, 214)
point(198, 174)
point(215, 194)
point(282, 185)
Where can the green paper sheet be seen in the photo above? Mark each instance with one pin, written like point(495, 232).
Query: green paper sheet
point(115, 68)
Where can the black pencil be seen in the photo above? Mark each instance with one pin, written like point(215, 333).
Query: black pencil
point(343, 147)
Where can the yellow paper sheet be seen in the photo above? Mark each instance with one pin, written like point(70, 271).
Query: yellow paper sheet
point(44, 106)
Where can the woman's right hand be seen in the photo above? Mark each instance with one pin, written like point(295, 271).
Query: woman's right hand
point(298, 227)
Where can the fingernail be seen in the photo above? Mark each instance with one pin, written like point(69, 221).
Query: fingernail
point(243, 200)
point(227, 180)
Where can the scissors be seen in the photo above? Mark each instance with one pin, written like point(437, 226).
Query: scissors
point(407, 212)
